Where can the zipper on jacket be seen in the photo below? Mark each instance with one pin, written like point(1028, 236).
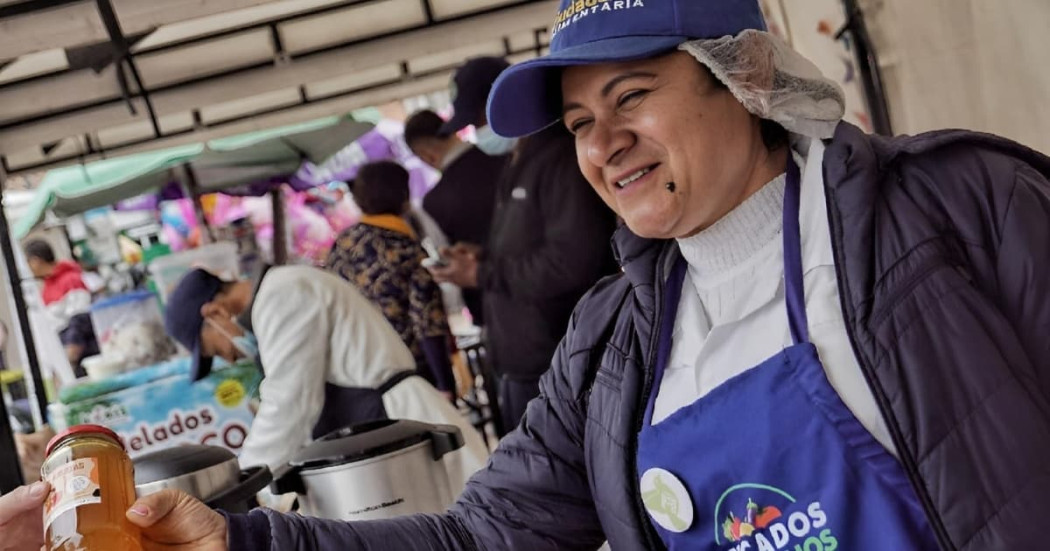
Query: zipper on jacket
point(927, 267)
point(907, 461)
point(652, 539)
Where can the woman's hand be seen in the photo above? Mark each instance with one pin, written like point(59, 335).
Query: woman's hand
point(22, 518)
point(173, 520)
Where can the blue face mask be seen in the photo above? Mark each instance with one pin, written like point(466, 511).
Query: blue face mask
point(247, 344)
point(492, 144)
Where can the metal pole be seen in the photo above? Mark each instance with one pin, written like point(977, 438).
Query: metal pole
point(870, 73)
point(10, 467)
point(37, 388)
point(280, 237)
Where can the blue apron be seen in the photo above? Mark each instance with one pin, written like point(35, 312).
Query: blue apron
point(772, 459)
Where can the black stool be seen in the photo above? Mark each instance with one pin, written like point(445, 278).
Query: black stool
point(483, 397)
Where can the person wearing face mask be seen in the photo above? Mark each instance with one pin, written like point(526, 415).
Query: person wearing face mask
point(329, 358)
point(547, 245)
point(821, 339)
point(464, 199)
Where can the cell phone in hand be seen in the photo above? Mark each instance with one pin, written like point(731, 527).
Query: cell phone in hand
point(433, 259)
point(434, 263)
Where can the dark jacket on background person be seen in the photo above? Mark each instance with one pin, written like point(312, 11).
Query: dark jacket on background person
point(464, 200)
point(942, 249)
point(463, 203)
point(384, 263)
point(549, 244)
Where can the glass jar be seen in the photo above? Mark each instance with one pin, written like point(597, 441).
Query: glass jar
point(92, 485)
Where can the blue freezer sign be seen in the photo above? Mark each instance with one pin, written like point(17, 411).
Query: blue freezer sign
point(199, 427)
point(171, 410)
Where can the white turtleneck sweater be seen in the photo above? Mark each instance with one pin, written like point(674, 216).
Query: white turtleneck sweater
point(733, 316)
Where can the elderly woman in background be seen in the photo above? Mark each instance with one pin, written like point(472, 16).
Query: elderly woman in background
point(382, 257)
point(821, 340)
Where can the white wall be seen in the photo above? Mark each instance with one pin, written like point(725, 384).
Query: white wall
point(977, 64)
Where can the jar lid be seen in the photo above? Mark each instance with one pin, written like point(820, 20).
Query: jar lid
point(81, 429)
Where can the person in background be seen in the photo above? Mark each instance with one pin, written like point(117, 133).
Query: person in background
point(60, 278)
point(382, 257)
point(67, 298)
point(464, 199)
point(821, 340)
point(430, 235)
point(548, 243)
point(329, 360)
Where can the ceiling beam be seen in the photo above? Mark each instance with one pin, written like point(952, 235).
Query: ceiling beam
point(52, 94)
point(78, 23)
point(314, 110)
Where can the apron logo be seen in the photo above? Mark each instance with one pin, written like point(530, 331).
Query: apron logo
point(667, 500)
point(736, 528)
point(764, 526)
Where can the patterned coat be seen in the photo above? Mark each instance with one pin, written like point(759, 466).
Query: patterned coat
point(381, 257)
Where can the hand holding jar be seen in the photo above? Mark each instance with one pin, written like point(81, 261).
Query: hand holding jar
point(21, 521)
point(85, 503)
point(173, 520)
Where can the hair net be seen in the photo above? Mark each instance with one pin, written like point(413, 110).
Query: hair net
point(773, 81)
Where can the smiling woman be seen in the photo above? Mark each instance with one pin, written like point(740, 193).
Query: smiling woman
point(820, 339)
point(664, 145)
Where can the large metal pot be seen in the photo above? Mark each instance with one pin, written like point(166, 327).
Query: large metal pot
point(208, 473)
point(372, 471)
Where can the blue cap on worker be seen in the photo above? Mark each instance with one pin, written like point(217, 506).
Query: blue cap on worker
point(527, 97)
point(183, 319)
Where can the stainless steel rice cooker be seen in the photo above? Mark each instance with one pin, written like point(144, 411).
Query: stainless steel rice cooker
point(374, 470)
point(208, 473)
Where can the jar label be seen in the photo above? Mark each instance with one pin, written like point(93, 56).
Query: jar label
point(72, 484)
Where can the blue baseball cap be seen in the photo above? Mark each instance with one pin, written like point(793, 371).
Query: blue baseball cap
point(183, 319)
point(527, 97)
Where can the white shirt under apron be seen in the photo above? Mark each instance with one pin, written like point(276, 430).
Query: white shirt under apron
point(732, 315)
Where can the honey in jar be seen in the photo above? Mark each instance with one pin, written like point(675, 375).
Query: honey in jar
point(92, 485)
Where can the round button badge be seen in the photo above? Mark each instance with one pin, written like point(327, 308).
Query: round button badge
point(667, 500)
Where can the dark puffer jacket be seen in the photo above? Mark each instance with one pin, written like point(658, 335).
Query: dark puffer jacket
point(942, 245)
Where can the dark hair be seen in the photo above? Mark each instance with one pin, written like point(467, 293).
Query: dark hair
point(38, 248)
point(422, 125)
point(381, 188)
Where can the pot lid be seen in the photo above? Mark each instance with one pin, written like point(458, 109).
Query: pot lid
point(178, 461)
point(373, 439)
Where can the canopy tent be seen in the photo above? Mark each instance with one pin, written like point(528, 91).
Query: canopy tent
point(74, 189)
point(220, 164)
point(78, 84)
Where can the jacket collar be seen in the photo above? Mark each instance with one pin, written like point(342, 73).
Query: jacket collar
point(390, 222)
point(639, 257)
point(245, 318)
point(62, 268)
point(858, 151)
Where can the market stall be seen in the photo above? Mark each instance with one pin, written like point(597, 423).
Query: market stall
point(256, 164)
